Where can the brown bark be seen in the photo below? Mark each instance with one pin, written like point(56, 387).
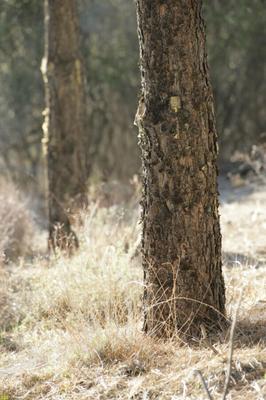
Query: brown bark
point(65, 128)
point(181, 242)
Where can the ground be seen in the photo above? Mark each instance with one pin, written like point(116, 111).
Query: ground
point(71, 328)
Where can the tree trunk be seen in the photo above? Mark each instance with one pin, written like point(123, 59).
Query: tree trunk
point(181, 242)
point(65, 127)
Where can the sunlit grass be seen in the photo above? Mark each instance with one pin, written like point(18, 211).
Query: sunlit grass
point(75, 324)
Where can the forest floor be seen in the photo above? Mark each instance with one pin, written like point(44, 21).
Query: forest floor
point(71, 328)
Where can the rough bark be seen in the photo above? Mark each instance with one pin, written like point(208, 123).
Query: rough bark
point(181, 242)
point(65, 127)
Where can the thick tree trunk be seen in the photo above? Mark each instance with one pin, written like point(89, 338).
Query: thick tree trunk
point(181, 240)
point(65, 127)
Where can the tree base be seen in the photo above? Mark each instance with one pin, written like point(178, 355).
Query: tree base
point(62, 239)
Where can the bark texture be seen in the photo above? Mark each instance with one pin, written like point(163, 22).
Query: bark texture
point(181, 240)
point(65, 127)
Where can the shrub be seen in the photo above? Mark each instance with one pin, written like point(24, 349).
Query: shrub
point(16, 224)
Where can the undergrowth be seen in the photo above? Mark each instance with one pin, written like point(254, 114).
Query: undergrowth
point(73, 326)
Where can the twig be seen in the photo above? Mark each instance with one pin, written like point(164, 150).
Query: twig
point(207, 341)
point(231, 349)
point(204, 384)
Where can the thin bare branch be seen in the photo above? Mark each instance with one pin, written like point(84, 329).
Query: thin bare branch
point(231, 349)
point(204, 384)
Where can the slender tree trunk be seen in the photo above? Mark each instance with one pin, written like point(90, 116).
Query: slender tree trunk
point(181, 241)
point(65, 127)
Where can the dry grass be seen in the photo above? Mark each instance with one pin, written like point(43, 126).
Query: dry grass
point(75, 325)
point(17, 226)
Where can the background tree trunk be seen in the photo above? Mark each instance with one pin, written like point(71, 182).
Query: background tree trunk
point(181, 240)
point(65, 128)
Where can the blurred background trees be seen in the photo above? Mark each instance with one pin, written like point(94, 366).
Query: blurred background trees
point(236, 38)
point(21, 90)
point(66, 138)
point(236, 35)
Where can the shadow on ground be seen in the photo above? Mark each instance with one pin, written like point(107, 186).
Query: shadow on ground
point(233, 259)
point(252, 332)
point(231, 194)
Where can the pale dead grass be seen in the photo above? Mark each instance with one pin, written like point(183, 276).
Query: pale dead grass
point(78, 335)
point(244, 228)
